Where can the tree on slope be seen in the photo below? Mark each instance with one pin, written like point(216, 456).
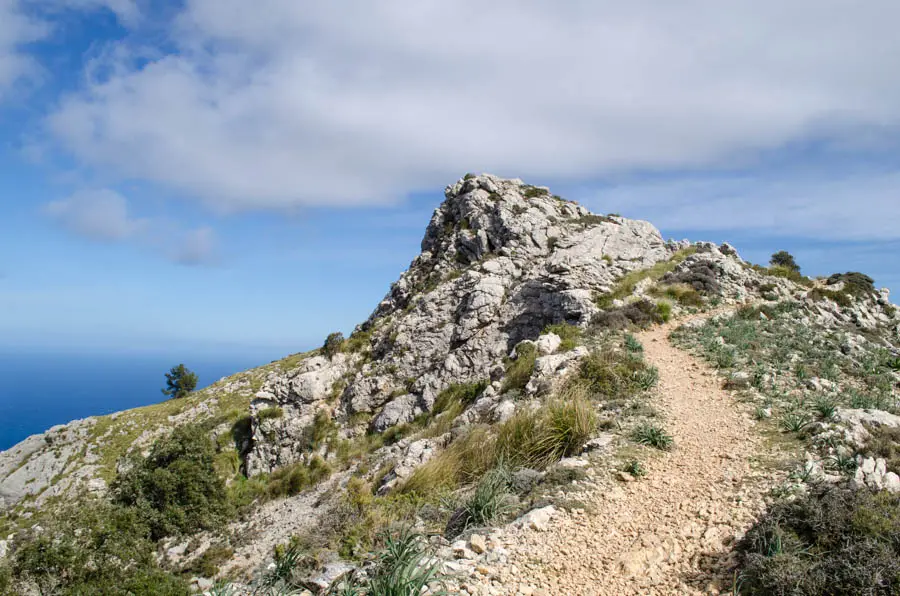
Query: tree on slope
point(783, 258)
point(179, 382)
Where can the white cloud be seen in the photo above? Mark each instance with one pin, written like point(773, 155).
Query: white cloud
point(97, 214)
point(17, 30)
point(278, 103)
point(860, 206)
point(103, 215)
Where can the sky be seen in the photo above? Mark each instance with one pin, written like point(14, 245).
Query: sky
point(225, 176)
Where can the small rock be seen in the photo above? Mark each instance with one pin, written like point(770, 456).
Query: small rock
point(625, 477)
point(548, 343)
point(738, 380)
point(477, 543)
point(537, 519)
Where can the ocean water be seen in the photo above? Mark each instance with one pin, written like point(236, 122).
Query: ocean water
point(38, 391)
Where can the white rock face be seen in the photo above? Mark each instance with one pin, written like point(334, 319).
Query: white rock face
point(500, 261)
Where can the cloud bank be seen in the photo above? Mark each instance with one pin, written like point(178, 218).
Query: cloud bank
point(279, 104)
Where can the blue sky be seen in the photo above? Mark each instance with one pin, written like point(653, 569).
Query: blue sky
point(221, 176)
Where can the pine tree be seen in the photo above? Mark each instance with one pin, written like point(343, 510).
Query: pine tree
point(179, 382)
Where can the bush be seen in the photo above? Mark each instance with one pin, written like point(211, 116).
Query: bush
point(270, 413)
point(855, 283)
point(884, 442)
point(293, 479)
point(699, 276)
point(835, 541)
point(531, 439)
point(518, 371)
point(640, 313)
point(93, 548)
point(334, 344)
point(175, 489)
point(612, 375)
point(785, 260)
point(681, 293)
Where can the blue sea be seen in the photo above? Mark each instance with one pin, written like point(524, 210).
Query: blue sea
point(38, 391)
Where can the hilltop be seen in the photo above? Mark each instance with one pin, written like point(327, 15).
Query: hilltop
point(522, 368)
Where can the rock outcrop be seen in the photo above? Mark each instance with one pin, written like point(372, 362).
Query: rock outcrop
point(500, 261)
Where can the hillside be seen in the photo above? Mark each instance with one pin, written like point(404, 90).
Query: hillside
point(560, 401)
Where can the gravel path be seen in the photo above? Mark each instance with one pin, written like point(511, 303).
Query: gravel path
point(669, 532)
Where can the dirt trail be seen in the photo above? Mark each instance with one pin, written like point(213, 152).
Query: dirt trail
point(669, 532)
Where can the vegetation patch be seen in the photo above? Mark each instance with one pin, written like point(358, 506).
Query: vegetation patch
point(626, 285)
point(836, 540)
point(569, 334)
point(639, 314)
point(519, 371)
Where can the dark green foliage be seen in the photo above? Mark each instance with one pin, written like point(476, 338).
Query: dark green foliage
point(207, 564)
point(835, 541)
point(855, 283)
point(784, 259)
point(699, 275)
point(532, 192)
point(518, 371)
point(641, 314)
point(458, 396)
point(93, 549)
point(179, 382)
point(334, 344)
point(293, 479)
point(175, 489)
point(270, 413)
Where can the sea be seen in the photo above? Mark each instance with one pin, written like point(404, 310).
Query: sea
point(38, 391)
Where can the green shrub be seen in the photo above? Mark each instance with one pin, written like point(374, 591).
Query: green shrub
point(360, 341)
point(640, 313)
point(679, 292)
point(533, 192)
point(855, 283)
point(531, 439)
point(93, 548)
point(653, 436)
point(664, 311)
point(175, 489)
point(612, 375)
point(334, 344)
point(459, 396)
point(635, 468)
point(701, 277)
point(293, 479)
point(270, 413)
point(519, 371)
point(785, 260)
point(835, 541)
point(569, 334)
point(839, 298)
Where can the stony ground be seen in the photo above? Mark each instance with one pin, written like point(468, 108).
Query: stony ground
point(667, 533)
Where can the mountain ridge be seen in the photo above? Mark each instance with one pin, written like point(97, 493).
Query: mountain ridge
point(516, 296)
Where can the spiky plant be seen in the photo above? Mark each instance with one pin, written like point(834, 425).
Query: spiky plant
point(653, 436)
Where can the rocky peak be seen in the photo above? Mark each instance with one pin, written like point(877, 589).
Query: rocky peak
point(500, 261)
